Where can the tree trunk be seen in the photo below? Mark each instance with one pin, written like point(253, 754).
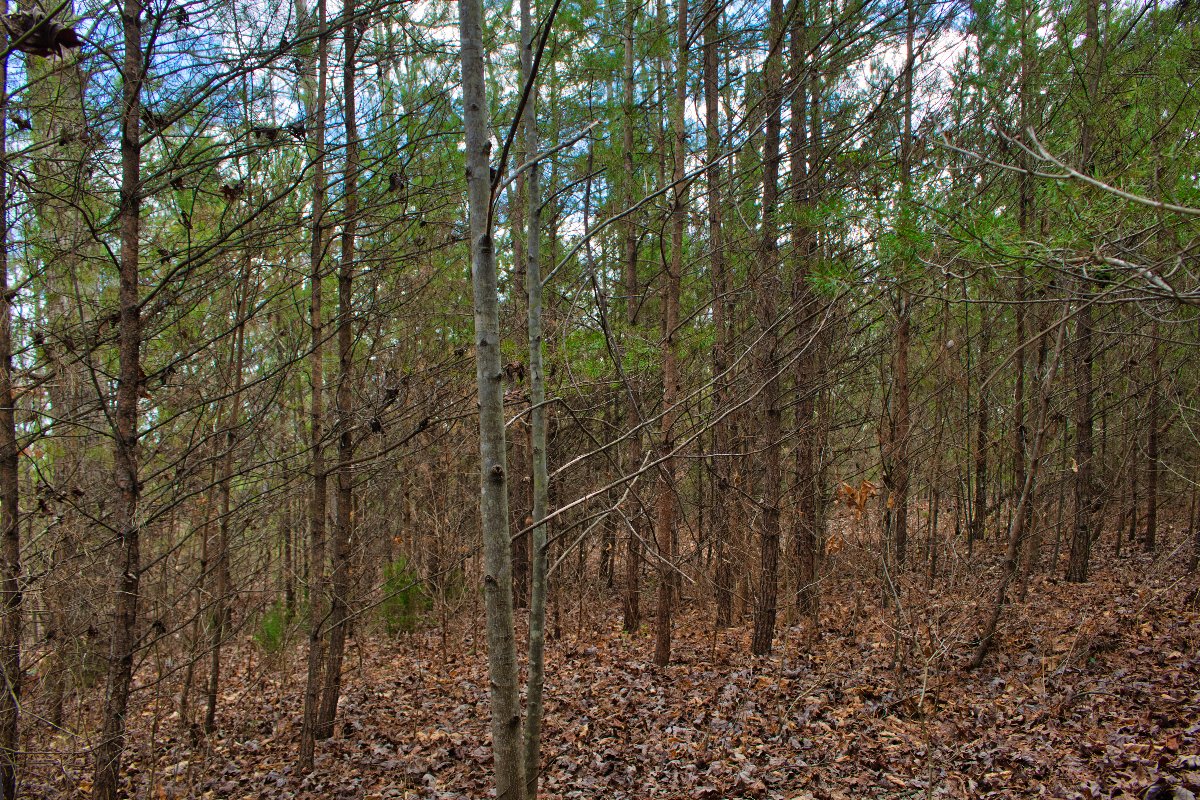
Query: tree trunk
point(770, 479)
point(979, 516)
point(339, 605)
point(1081, 537)
point(631, 597)
point(896, 465)
point(125, 466)
point(723, 573)
point(316, 513)
point(1081, 528)
point(664, 525)
point(65, 235)
point(497, 555)
point(1033, 533)
point(289, 565)
point(1025, 212)
point(220, 573)
point(10, 521)
point(537, 426)
point(1153, 467)
point(808, 328)
point(1194, 531)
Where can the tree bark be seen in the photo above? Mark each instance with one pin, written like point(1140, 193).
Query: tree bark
point(808, 334)
point(723, 573)
point(896, 464)
point(317, 507)
point(537, 426)
point(631, 597)
point(1153, 466)
point(979, 516)
point(1025, 212)
point(1081, 536)
point(664, 524)
point(497, 555)
point(1194, 531)
point(1081, 528)
point(220, 554)
point(340, 566)
point(770, 479)
point(10, 521)
point(125, 523)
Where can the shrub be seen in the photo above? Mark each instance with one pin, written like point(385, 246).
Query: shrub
point(405, 598)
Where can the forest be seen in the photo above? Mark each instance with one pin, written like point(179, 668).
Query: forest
point(688, 399)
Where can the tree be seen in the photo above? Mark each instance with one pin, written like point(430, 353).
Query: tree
point(497, 582)
point(124, 522)
point(769, 355)
point(339, 606)
point(1081, 538)
point(316, 515)
point(10, 521)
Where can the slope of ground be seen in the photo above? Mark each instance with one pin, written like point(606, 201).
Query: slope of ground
point(1093, 692)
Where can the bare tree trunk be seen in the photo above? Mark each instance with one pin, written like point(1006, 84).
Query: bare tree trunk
point(1081, 538)
point(979, 517)
point(723, 574)
point(1194, 532)
point(537, 427)
point(664, 524)
point(316, 514)
point(339, 606)
point(896, 464)
point(1153, 467)
point(202, 522)
point(520, 443)
point(766, 598)
point(1025, 214)
point(808, 332)
point(1033, 533)
point(497, 549)
point(289, 561)
point(1077, 564)
point(631, 598)
point(221, 583)
point(125, 523)
point(10, 521)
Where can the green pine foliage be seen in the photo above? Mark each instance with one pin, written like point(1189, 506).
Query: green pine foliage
point(406, 599)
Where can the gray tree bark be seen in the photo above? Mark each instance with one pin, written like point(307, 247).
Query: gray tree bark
point(537, 427)
point(497, 550)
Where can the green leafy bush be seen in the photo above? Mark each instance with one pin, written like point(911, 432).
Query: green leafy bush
point(405, 598)
point(272, 632)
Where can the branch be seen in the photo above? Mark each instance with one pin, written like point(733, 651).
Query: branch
point(1158, 205)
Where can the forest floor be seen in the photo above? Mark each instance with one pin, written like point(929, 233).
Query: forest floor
point(1092, 691)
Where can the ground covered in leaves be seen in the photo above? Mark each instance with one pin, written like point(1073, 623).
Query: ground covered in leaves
point(1093, 691)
